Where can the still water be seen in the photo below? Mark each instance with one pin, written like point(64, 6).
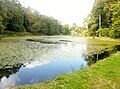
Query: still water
point(25, 61)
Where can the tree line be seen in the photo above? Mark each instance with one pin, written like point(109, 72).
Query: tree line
point(104, 19)
point(16, 19)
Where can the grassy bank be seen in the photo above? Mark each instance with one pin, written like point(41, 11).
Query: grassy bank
point(106, 39)
point(105, 74)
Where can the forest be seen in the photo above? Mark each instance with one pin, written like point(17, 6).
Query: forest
point(16, 19)
point(104, 20)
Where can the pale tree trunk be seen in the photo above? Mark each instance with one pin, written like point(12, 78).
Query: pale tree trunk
point(99, 20)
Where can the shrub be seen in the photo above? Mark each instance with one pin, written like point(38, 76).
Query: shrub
point(114, 33)
point(103, 32)
point(1, 28)
point(85, 33)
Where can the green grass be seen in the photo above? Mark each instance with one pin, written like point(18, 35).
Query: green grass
point(105, 74)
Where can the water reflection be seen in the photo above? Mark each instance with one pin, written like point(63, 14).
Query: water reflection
point(42, 61)
point(8, 76)
point(33, 64)
point(93, 58)
point(10, 70)
point(77, 46)
point(11, 81)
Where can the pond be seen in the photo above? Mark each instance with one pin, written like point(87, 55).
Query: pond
point(29, 60)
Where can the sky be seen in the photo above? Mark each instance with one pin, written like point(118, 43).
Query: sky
point(66, 11)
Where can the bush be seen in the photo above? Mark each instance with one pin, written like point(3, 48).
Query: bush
point(103, 32)
point(85, 33)
point(18, 28)
point(2, 28)
point(114, 33)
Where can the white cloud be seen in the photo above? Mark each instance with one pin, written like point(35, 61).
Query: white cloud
point(67, 11)
point(11, 81)
point(36, 63)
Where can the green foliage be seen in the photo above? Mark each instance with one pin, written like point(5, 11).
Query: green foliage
point(115, 9)
point(65, 29)
point(103, 32)
point(109, 13)
point(16, 18)
point(76, 32)
point(85, 33)
point(79, 31)
point(1, 28)
point(114, 34)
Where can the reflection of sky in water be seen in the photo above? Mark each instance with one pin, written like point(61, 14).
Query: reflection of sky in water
point(35, 63)
point(49, 64)
point(11, 81)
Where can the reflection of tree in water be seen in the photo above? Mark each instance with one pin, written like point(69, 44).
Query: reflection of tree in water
point(102, 54)
point(7, 71)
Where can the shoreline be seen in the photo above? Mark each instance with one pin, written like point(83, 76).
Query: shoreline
point(105, 74)
point(63, 77)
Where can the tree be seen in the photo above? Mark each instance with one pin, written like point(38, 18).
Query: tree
point(115, 9)
point(65, 29)
point(1, 26)
point(102, 16)
point(14, 18)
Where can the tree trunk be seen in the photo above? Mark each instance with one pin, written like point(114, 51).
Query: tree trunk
point(99, 20)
